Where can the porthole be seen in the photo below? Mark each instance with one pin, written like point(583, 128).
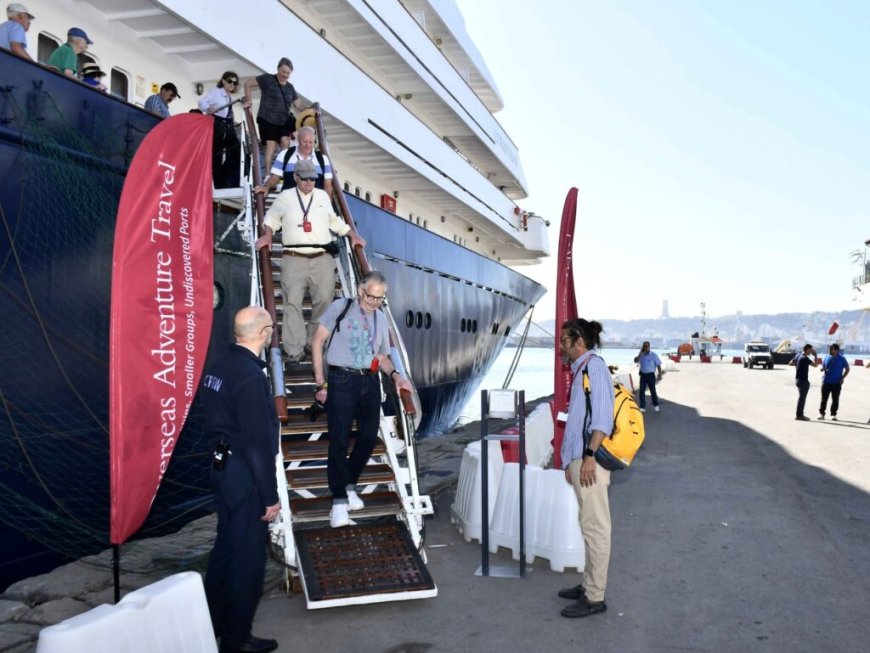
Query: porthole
point(368, 197)
point(357, 191)
point(346, 187)
point(507, 330)
point(494, 328)
point(427, 321)
point(462, 325)
point(409, 319)
point(474, 326)
point(419, 319)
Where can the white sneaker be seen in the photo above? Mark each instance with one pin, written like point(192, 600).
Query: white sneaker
point(338, 517)
point(354, 502)
point(656, 408)
point(643, 410)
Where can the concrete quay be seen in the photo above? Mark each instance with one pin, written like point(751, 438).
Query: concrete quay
point(737, 529)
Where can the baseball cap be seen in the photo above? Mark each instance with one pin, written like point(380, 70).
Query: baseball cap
point(79, 32)
point(306, 169)
point(169, 86)
point(17, 8)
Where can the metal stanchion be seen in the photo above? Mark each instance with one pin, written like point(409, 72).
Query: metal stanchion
point(501, 404)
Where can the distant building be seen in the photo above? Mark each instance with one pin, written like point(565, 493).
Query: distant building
point(665, 313)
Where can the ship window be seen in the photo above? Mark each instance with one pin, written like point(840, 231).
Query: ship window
point(474, 326)
point(119, 84)
point(346, 187)
point(368, 197)
point(425, 224)
point(462, 325)
point(427, 320)
point(409, 319)
point(46, 45)
point(507, 330)
point(418, 220)
point(494, 328)
point(357, 191)
point(419, 319)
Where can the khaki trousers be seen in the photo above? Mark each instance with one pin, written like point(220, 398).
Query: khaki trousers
point(298, 274)
point(595, 526)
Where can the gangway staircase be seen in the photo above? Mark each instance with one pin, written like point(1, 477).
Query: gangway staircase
point(381, 556)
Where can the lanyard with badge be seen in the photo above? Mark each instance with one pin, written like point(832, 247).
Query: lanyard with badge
point(372, 336)
point(306, 224)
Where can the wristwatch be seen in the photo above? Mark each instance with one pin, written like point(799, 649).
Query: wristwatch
point(588, 452)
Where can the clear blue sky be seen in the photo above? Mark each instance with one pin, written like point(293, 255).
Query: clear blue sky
point(721, 149)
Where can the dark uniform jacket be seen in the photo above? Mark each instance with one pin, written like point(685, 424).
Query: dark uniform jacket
point(238, 404)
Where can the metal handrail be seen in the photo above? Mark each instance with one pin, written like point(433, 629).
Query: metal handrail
point(265, 263)
point(359, 254)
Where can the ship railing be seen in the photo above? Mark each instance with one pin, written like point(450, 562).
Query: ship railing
point(276, 365)
point(410, 401)
point(408, 406)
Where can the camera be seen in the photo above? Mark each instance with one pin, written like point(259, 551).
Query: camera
point(315, 409)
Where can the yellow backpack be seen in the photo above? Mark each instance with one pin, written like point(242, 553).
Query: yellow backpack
point(619, 448)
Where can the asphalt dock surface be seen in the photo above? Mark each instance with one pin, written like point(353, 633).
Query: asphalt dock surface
point(737, 529)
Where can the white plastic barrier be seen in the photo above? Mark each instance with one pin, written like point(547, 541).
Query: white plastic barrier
point(169, 616)
point(539, 435)
point(465, 513)
point(551, 514)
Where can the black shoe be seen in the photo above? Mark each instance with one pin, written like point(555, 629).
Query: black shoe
point(822, 416)
point(833, 418)
point(583, 609)
point(575, 593)
point(802, 418)
point(253, 645)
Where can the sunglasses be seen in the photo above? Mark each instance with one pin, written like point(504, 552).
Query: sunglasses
point(231, 81)
point(301, 178)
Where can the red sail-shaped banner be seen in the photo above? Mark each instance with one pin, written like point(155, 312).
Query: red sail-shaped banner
point(162, 280)
point(566, 309)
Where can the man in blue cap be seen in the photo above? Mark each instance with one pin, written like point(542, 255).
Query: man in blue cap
point(65, 58)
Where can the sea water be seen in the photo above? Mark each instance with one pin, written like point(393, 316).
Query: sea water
point(534, 373)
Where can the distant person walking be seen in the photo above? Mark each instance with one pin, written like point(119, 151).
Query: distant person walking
point(240, 417)
point(583, 435)
point(650, 372)
point(835, 368)
point(802, 363)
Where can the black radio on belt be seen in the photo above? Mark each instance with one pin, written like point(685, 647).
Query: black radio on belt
point(219, 455)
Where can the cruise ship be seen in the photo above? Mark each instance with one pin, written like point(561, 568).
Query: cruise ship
point(429, 175)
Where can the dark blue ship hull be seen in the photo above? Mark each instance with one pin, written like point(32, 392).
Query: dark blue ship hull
point(64, 151)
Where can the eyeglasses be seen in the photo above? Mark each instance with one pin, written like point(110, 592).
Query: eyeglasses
point(377, 298)
point(301, 178)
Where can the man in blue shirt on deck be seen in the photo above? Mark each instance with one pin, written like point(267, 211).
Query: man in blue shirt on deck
point(835, 367)
point(650, 372)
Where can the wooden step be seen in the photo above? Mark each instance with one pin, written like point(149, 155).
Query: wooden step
point(378, 504)
point(318, 449)
point(301, 424)
point(301, 478)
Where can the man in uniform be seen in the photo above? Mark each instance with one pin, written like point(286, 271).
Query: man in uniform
point(240, 416)
point(305, 217)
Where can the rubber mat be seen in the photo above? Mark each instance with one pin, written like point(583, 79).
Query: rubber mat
point(360, 560)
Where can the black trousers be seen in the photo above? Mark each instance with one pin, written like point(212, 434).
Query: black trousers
point(832, 390)
point(226, 153)
point(803, 389)
point(234, 577)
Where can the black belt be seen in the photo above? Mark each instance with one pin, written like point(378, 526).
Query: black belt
point(364, 371)
point(304, 254)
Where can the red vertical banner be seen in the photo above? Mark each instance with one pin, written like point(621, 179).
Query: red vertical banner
point(566, 309)
point(162, 280)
